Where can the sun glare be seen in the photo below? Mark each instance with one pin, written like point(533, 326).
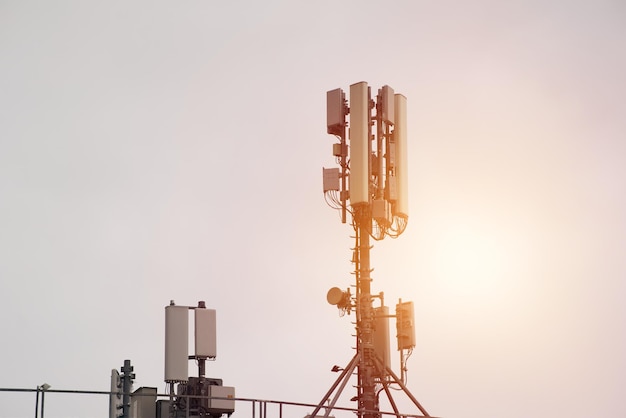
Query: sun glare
point(470, 259)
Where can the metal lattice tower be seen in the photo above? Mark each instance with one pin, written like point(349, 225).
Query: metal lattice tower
point(372, 176)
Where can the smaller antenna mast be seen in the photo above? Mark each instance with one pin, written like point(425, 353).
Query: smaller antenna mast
point(194, 397)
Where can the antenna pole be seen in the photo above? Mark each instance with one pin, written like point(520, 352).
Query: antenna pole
point(127, 383)
point(366, 393)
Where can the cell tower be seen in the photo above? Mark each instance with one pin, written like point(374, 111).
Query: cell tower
point(372, 176)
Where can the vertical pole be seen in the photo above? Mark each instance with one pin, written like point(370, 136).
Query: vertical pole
point(171, 406)
point(37, 403)
point(401, 365)
point(127, 382)
point(43, 394)
point(203, 390)
point(201, 367)
point(344, 173)
point(365, 344)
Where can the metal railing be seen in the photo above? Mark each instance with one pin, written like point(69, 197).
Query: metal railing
point(245, 407)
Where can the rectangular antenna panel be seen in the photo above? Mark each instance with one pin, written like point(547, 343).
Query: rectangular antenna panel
point(115, 399)
point(378, 209)
point(335, 117)
point(391, 189)
point(388, 104)
point(359, 143)
point(205, 332)
point(391, 154)
point(331, 179)
point(176, 343)
point(405, 325)
point(381, 211)
point(381, 336)
point(400, 138)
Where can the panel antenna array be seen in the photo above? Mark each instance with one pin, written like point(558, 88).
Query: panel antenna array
point(193, 396)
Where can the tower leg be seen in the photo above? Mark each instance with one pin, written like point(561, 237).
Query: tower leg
point(403, 387)
point(343, 378)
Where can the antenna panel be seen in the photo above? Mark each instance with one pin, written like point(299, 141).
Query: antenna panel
point(331, 179)
point(176, 343)
point(335, 117)
point(359, 143)
point(405, 325)
point(399, 133)
point(205, 332)
point(115, 398)
point(387, 104)
point(391, 189)
point(381, 336)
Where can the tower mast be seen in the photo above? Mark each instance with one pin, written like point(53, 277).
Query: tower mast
point(373, 179)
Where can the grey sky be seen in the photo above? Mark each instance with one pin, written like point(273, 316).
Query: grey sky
point(173, 150)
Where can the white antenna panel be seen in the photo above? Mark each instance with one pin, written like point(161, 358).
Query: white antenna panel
point(205, 332)
point(176, 343)
point(359, 144)
point(399, 132)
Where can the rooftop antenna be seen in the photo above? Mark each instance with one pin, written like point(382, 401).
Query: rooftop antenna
point(194, 396)
point(372, 176)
